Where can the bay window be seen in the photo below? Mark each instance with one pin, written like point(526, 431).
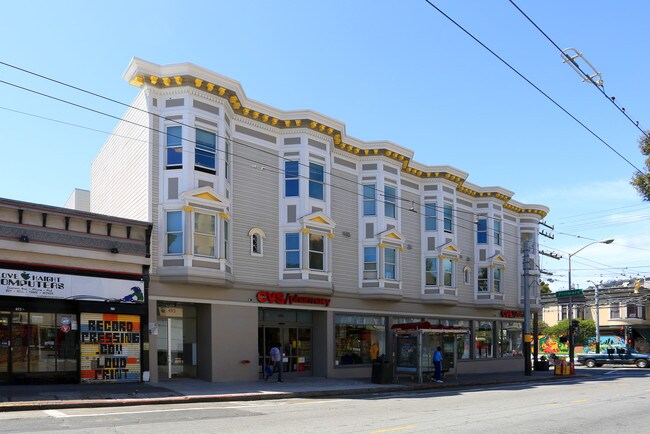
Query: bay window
point(291, 179)
point(369, 199)
point(174, 232)
point(431, 276)
point(174, 147)
point(448, 272)
point(205, 151)
point(448, 218)
point(316, 181)
point(390, 198)
point(481, 231)
point(497, 232)
point(390, 263)
point(496, 280)
point(430, 217)
point(205, 234)
point(292, 250)
point(316, 252)
point(483, 279)
point(370, 263)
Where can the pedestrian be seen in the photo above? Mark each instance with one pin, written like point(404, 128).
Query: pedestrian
point(276, 360)
point(437, 364)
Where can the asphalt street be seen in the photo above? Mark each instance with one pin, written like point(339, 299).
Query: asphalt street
point(605, 400)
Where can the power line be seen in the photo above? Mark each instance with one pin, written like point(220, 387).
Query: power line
point(533, 85)
point(588, 78)
point(399, 199)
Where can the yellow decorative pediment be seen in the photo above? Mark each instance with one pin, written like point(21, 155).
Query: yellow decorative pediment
point(319, 220)
point(392, 236)
point(207, 196)
point(449, 250)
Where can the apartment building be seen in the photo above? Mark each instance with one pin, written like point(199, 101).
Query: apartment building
point(276, 227)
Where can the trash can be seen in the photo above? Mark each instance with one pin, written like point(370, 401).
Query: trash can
point(542, 365)
point(382, 372)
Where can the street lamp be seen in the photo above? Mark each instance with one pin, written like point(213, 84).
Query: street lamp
point(597, 317)
point(570, 307)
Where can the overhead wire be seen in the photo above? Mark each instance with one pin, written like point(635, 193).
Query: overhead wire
point(514, 240)
point(512, 68)
point(586, 75)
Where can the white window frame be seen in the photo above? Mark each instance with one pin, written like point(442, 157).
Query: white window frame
point(259, 235)
point(368, 272)
point(390, 202)
point(196, 233)
point(372, 188)
point(322, 253)
point(451, 274)
point(394, 264)
point(168, 232)
point(435, 274)
point(498, 231)
point(198, 166)
point(176, 147)
point(448, 218)
point(287, 251)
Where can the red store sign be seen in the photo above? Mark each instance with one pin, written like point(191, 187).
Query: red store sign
point(511, 314)
point(272, 297)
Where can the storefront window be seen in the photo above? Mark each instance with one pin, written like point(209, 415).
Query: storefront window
point(359, 339)
point(484, 339)
point(462, 340)
point(510, 339)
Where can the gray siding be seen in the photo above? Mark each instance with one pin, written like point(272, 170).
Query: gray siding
point(411, 258)
point(255, 204)
point(345, 251)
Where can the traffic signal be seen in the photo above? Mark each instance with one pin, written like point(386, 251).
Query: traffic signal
point(575, 324)
point(621, 332)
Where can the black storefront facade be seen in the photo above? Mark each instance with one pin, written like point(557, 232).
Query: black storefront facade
point(73, 294)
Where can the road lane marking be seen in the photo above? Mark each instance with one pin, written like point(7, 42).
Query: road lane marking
point(555, 404)
point(55, 413)
point(400, 428)
point(580, 400)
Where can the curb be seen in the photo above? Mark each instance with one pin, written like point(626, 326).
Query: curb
point(124, 402)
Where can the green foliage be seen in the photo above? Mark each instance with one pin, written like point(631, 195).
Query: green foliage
point(641, 180)
point(544, 288)
point(585, 333)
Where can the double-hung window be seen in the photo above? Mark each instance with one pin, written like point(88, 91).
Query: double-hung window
point(316, 181)
point(430, 217)
point(369, 263)
point(390, 263)
point(448, 218)
point(175, 232)
point(496, 280)
point(292, 250)
point(497, 232)
point(431, 278)
point(205, 234)
point(483, 279)
point(206, 151)
point(614, 310)
point(291, 179)
point(174, 145)
point(390, 198)
point(369, 199)
point(316, 252)
point(481, 231)
point(448, 272)
point(226, 240)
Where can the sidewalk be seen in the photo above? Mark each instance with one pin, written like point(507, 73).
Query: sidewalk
point(52, 396)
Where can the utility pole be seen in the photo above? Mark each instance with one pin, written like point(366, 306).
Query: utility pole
point(527, 335)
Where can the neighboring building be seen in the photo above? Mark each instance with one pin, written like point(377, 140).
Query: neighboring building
point(622, 311)
point(275, 226)
point(79, 200)
point(72, 295)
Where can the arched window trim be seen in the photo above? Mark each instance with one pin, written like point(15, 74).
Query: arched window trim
point(257, 233)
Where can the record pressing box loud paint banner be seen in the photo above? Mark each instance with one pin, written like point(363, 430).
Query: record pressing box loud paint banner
point(110, 348)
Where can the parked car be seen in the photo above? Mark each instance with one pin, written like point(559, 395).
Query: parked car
point(614, 356)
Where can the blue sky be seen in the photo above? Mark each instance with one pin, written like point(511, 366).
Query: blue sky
point(390, 70)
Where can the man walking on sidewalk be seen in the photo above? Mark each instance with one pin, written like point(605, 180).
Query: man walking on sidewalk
point(276, 360)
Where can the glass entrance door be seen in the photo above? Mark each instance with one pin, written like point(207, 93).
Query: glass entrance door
point(177, 342)
point(295, 343)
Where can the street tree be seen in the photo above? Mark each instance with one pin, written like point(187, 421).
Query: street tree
point(585, 332)
point(641, 180)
